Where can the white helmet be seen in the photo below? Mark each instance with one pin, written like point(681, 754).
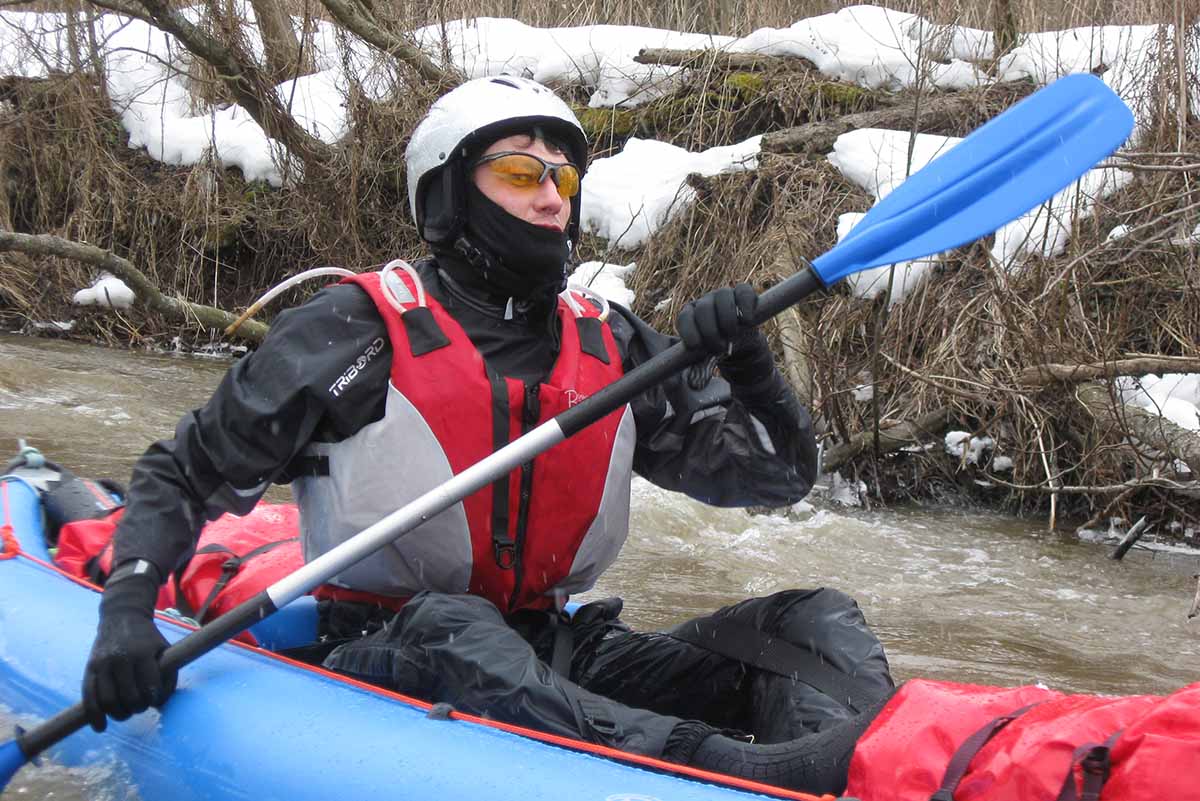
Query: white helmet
point(467, 119)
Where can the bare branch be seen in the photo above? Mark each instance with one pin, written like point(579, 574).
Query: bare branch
point(367, 28)
point(250, 87)
point(1187, 488)
point(285, 55)
point(125, 9)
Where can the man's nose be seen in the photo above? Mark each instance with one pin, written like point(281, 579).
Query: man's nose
point(547, 198)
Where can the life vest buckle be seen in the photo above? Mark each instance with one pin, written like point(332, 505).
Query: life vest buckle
point(505, 553)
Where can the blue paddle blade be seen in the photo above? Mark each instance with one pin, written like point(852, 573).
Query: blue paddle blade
point(11, 760)
point(999, 172)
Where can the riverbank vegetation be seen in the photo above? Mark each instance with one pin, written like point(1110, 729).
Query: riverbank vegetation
point(1036, 368)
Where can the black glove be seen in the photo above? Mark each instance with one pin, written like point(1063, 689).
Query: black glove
point(122, 676)
point(721, 322)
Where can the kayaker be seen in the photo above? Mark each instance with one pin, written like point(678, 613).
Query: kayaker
point(382, 387)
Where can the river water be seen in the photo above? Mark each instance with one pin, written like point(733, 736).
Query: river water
point(953, 595)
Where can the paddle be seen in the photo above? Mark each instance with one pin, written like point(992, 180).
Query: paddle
point(1004, 168)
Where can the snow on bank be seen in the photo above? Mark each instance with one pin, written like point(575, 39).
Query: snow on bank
point(598, 57)
point(107, 290)
point(627, 197)
point(876, 48)
point(870, 46)
point(1175, 396)
point(606, 279)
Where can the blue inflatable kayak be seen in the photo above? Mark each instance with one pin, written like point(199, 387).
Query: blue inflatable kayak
point(246, 723)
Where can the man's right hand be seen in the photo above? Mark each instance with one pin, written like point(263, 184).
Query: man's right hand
point(122, 676)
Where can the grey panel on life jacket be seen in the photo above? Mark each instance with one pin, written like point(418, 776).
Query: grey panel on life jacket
point(381, 468)
point(608, 531)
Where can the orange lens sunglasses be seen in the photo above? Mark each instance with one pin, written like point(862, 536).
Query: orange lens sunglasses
point(526, 171)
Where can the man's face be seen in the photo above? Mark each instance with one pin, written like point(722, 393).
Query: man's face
point(540, 204)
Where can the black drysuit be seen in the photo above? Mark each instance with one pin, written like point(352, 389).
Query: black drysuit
point(745, 441)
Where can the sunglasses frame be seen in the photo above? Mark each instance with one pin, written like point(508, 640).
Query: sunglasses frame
point(550, 168)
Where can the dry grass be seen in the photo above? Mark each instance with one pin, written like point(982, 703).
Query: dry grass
point(202, 232)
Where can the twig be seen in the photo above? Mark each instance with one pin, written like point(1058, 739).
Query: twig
point(935, 381)
point(1135, 532)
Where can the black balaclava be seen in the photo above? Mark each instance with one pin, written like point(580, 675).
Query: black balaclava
point(498, 253)
point(505, 255)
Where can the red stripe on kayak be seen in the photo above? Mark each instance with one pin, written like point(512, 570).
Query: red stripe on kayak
point(9, 547)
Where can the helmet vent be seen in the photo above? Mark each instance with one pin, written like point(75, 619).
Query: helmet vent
point(503, 82)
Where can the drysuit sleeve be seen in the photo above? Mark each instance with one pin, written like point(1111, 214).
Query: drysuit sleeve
point(746, 441)
point(321, 373)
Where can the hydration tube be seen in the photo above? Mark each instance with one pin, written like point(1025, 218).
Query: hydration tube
point(284, 286)
point(589, 293)
point(389, 291)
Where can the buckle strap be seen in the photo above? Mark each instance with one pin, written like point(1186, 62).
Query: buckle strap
point(957, 767)
point(229, 569)
point(1094, 762)
point(750, 646)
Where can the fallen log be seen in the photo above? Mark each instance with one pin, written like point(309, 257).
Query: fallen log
point(148, 295)
point(722, 60)
point(1043, 374)
point(938, 113)
point(891, 439)
point(1149, 429)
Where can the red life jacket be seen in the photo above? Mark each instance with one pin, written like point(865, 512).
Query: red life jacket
point(548, 528)
point(974, 743)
